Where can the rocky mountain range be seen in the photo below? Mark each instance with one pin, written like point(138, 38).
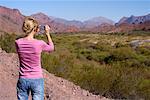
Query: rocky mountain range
point(11, 21)
point(90, 23)
point(134, 19)
point(126, 24)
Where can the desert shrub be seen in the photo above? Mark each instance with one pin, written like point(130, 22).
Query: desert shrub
point(92, 78)
point(100, 56)
point(119, 44)
point(147, 62)
point(120, 54)
point(143, 51)
point(133, 63)
point(143, 89)
point(102, 46)
point(139, 33)
point(59, 63)
point(126, 82)
point(110, 81)
point(7, 42)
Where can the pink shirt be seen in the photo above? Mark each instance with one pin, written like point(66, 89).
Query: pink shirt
point(29, 53)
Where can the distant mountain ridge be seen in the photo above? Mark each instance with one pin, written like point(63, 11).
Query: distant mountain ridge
point(88, 23)
point(79, 24)
point(11, 21)
point(97, 21)
point(126, 24)
point(134, 19)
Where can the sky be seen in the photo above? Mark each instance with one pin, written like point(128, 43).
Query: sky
point(81, 9)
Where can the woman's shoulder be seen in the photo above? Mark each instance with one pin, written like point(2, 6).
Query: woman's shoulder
point(18, 39)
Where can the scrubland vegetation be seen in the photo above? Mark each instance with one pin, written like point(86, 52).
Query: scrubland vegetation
point(101, 63)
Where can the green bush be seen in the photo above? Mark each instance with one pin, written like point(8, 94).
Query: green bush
point(143, 51)
point(7, 42)
point(102, 46)
point(123, 53)
point(144, 89)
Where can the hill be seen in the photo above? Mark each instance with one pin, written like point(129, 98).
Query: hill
point(56, 88)
point(10, 20)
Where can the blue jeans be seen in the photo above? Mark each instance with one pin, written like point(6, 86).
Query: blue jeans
point(25, 85)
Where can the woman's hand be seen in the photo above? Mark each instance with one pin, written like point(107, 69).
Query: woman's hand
point(47, 29)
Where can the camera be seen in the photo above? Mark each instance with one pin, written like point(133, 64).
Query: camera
point(42, 29)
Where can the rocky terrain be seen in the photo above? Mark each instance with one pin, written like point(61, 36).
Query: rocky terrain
point(56, 88)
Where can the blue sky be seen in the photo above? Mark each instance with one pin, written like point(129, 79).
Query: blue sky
point(81, 9)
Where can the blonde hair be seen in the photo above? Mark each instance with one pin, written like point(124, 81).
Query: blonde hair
point(29, 24)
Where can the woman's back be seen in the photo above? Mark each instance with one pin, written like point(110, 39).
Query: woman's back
point(29, 52)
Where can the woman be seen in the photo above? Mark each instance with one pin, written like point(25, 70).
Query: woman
point(29, 52)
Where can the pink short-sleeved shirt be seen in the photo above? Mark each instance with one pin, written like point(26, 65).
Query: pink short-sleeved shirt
point(29, 53)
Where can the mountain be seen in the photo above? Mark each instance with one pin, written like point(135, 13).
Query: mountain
point(134, 19)
point(97, 21)
point(57, 24)
point(42, 18)
point(63, 25)
point(91, 23)
point(55, 88)
point(88, 24)
point(10, 20)
point(122, 20)
point(75, 23)
point(127, 24)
